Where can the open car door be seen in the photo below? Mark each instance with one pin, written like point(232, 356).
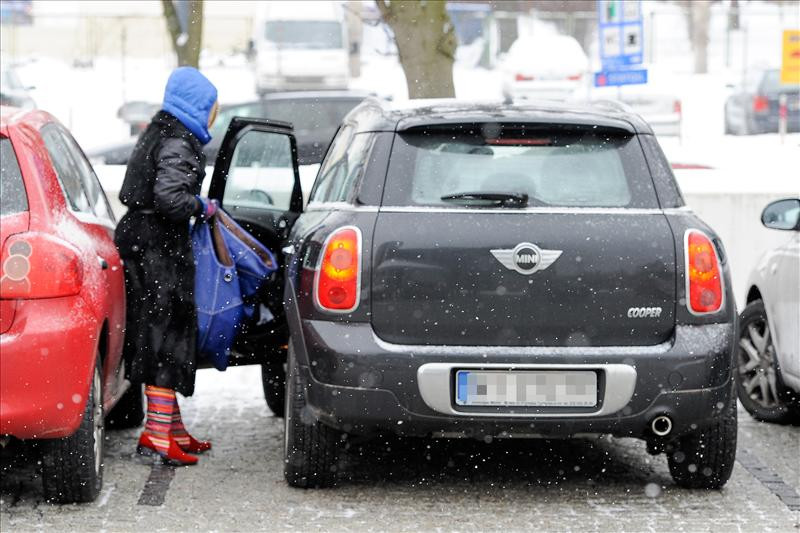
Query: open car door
point(256, 180)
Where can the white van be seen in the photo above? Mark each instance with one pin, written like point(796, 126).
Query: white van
point(300, 46)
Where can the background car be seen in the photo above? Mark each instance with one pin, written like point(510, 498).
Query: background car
point(545, 65)
point(768, 357)
point(300, 49)
point(315, 116)
point(754, 105)
point(62, 297)
point(13, 92)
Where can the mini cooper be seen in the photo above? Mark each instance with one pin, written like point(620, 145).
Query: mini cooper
point(487, 270)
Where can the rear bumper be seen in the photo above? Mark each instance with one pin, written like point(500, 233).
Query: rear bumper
point(46, 362)
point(277, 82)
point(769, 122)
point(360, 384)
point(544, 89)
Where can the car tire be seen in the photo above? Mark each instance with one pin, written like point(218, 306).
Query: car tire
point(129, 411)
point(273, 380)
point(703, 458)
point(311, 449)
point(760, 387)
point(72, 467)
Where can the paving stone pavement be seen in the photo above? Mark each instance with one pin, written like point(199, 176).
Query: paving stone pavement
point(585, 485)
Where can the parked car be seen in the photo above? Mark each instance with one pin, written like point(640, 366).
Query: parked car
point(549, 66)
point(475, 270)
point(754, 105)
point(300, 49)
point(13, 92)
point(62, 298)
point(768, 357)
point(314, 114)
point(137, 115)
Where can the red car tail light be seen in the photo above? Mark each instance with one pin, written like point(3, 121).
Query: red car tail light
point(677, 107)
point(37, 265)
point(575, 77)
point(523, 77)
point(760, 104)
point(338, 278)
point(703, 277)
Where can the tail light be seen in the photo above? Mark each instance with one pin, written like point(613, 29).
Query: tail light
point(37, 265)
point(523, 77)
point(677, 107)
point(575, 77)
point(337, 283)
point(760, 104)
point(703, 278)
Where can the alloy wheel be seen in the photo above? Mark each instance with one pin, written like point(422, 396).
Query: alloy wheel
point(756, 364)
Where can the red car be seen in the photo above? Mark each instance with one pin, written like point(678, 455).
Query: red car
point(62, 305)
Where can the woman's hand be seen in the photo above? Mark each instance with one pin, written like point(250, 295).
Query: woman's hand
point(208, 208)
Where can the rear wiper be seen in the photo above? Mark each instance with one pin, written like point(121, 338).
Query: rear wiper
point(501, 199)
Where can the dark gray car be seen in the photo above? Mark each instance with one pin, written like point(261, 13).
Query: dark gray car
point(467, 270)
point(754, 107)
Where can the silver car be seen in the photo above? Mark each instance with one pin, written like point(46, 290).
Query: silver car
point(768, 377)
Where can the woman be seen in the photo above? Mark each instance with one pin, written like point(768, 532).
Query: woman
point(161, 190)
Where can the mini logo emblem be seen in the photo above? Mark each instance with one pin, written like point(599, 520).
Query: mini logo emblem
point(526, 258)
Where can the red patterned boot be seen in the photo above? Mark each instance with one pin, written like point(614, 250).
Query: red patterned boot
point(156, 436)
point(182, 437)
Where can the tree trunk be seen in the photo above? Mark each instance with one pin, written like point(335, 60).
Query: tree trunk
point(699, 16)
point(186, 45)
point(426, 43)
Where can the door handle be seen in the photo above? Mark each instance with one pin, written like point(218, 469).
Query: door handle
point(103, 263)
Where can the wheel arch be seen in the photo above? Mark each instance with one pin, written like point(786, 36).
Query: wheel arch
point(753, 294)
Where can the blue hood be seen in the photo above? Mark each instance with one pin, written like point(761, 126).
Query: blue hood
point(189, 97)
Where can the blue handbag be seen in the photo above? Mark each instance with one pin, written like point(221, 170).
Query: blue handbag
point(231, 266)
point(217, 294)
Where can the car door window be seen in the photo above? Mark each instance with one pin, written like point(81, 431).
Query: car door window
point(352, 168)
point(334, 166)
point(66, 169)
point(94, 191)
point(13, 198)
point(261, 173)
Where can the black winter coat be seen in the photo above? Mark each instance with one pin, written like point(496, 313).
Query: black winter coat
point(164, 175)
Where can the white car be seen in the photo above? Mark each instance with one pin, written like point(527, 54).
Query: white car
point(300, 48)
point(768, 376)
point(545, 65)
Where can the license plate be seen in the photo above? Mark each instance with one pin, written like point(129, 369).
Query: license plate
point(526, 388)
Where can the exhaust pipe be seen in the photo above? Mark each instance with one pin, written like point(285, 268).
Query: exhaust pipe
point(661, 425)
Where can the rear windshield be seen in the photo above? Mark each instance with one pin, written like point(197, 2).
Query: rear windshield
point(772, 83)
point(13, 198)
point(551, 166)
point(316, 34)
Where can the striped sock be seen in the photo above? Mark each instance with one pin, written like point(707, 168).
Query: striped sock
point(177, 428)
point(160, 403)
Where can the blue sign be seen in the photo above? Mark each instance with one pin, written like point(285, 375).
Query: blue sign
point(615, 78)
point(621, 33)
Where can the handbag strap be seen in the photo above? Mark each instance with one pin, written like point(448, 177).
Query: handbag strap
point(220, 248)
point(245, 237)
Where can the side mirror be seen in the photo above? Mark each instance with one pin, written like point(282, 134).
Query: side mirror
point(782, 214)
